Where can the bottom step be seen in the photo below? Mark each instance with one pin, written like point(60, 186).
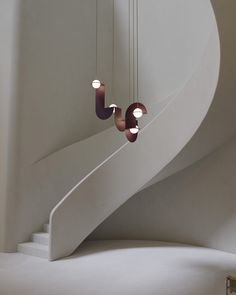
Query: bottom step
point(34, 249)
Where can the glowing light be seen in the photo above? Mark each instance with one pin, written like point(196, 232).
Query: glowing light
point(114, 106)
point(96, 84)
point(138, 113)
point(134, 130)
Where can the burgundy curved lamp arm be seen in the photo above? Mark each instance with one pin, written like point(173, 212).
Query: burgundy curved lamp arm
point(121, 124)
point(130, 120)
point(119, 121)
point(102, 112)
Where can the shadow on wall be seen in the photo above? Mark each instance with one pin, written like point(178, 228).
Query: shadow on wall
point(195, 206)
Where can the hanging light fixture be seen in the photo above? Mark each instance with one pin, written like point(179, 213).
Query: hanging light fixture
point(136, 110)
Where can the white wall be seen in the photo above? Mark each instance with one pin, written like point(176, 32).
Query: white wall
point(8, 114)
point(57, 65)
point(196, 206)
point(47, 61)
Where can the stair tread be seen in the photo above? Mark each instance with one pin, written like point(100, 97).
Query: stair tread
point(34, 245)
point(42, 234)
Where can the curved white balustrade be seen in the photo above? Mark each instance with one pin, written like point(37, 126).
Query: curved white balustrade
point(129, 167)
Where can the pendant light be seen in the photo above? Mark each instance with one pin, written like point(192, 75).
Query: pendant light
point(135, 111)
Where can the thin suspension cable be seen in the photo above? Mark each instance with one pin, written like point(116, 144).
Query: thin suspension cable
point(133, 51)
point(129, 55)
point(96, 39)
point(113, 51)
point(137, 47)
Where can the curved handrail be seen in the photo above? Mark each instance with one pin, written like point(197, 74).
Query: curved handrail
point(90, 202)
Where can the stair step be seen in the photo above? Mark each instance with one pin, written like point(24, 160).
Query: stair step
point(41, 238)
point(46, 228)
point(34, 249)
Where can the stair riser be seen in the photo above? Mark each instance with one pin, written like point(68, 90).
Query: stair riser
point(40, 239)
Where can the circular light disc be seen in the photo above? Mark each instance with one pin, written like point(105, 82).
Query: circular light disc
point(137, 113)
point(96, 84)
point(134, 130)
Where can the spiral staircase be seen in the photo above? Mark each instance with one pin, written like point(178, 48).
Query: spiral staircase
point(107, 175)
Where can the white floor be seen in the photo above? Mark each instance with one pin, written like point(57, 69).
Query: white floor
point(121, 268)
